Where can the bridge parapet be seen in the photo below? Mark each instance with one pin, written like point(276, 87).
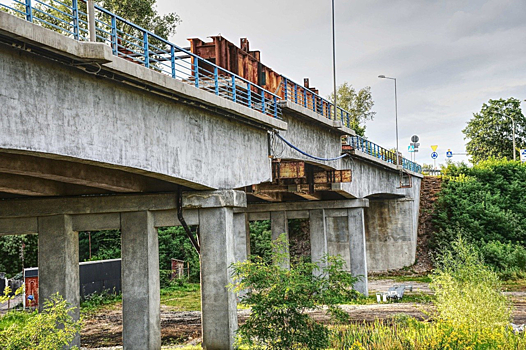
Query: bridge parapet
point(133, 43)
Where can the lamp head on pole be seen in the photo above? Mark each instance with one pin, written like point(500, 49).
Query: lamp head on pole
point(381, 76)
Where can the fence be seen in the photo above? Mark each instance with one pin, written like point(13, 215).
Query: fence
point(372, 149)
point(136, 44)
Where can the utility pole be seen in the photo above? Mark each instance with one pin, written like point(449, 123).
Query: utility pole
point(334, 63)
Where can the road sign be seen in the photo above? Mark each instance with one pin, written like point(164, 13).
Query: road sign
point(449, 154)
point(434, 148)
point(523, 155)
point(415, 138)
point(410, 148)
point(434, 155)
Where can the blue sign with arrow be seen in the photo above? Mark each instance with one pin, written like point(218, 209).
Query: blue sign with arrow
point(434, 155)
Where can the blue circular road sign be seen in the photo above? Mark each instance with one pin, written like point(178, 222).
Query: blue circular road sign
point(434, 155)
point(449, 154)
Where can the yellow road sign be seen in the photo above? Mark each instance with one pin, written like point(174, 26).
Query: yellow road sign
point(434, 148)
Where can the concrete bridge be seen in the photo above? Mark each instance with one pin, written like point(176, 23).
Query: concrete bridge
point(90, 140)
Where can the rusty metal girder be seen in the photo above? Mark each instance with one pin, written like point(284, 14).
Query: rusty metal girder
point(297, 172)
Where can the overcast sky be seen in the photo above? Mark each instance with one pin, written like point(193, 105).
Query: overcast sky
point(449, 56)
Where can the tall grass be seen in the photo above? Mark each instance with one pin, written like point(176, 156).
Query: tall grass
point(471, 312)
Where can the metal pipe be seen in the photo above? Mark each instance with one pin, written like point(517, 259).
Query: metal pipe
point(183, 222)
point(396, 122)
point(91, 21)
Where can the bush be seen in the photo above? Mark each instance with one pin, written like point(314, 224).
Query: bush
point(52, 329)
point(504, 256)
point(468, 297)
point(279, 298)
point(471, 312)
point(485, 202)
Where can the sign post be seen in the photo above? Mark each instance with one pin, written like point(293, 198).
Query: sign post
point(434, 155)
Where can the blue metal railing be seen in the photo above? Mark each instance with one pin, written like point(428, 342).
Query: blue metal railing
point(133, 43)
point(291, 91)
point(138, 45)
point(372, 149)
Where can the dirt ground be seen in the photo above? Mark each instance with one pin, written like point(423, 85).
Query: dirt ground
point(105, 329)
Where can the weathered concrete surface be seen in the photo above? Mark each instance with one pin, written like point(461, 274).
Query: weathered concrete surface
point(279, 225)
point(58, 259)
point(358, 249)
point(141, 303)
point(218, 304)
point(318, 237)
point(48, 107)
point(390, 234)
point(377, 178)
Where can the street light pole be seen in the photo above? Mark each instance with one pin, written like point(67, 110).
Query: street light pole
point(396, 115)
point(334, 62)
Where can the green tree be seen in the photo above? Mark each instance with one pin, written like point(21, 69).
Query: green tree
point(144, 14)
point(11, 253)
point(490, 131)
point(358, 103)
point(485, 203)
point(279, 299)
point(57, 16)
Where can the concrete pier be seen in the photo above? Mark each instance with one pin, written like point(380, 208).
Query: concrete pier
point(358, 249)
point(279, 225)
point(218, 303)
point(58, 258)
point(318, 237)
point(141, 318)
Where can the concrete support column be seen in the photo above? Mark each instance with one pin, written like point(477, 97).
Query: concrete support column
point(279, 225)
point(58, 260)
point(358, 248)
point(141, 317)
point(218, 304)
point(318, 237)
point(241, 237)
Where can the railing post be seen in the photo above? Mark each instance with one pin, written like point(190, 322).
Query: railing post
point(196, 71)
point(91, 21)
point(304, 98)
point(114, 40)
point(249, 95)
point(295, 93)
point(286, 95)
point(329, 108)
point(172, 58)
point(313, 103)
point(263, 107)
point(146, 50)
point(234, 97)
point(275, 107)
point(29, 11)
point(75, 7)
point(216, 81)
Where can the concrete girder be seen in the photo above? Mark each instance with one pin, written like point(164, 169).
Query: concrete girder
point(30, 186)
point(78, 174)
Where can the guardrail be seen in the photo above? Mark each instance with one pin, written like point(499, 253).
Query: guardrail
point(138, 45)
point(294, 92)
point(372, 149)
